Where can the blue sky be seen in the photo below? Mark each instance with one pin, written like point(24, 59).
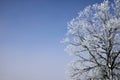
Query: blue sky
point(30, 35)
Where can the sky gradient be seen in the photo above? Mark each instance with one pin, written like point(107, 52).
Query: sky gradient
point(30, 35)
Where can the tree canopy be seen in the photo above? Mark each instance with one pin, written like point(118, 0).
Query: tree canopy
point(94, 37)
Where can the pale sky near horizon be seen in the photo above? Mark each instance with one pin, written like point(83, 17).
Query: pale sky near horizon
point(30, 35)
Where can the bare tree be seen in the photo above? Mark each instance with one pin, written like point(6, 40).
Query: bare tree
point(94, 37)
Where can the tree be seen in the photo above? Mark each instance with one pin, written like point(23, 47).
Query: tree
point(94, 38)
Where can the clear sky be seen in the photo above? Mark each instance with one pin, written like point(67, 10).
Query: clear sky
point(30, 35)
